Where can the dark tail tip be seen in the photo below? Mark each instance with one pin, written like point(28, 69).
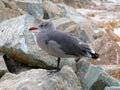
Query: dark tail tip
point(94, 55)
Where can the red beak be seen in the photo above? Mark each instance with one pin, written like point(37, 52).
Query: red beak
point(33, 28)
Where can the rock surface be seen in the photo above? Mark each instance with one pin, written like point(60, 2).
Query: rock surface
point(12, 42)
point(3, 68)
point(93, 77)
point(33, 7)
point(6, 13)
point(113, 70)
point(109, 52)
point(78, 3)
point(66, 78)
point(63, 23)
point(86, 32)
point(93, 21)
point(52, 10)
point(72, 14)
point(112, 88)
point(40, 79)
point(2, 4)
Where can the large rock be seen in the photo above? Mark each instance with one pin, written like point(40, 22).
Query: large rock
point(62, 10)
point(3, 67)
point(20, 44)
point(15, 66)
point(40, 79)
point(33, 7)
point(109, 52)
point(63, 23)
point(14, 39)
point(87, 32)
point(25, 80)
point(93, 77)
point(52, 10)
point(72, 14)
point(7, 13)
point(66, 78)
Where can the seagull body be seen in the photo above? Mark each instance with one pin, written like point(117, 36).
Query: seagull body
point(60, 44)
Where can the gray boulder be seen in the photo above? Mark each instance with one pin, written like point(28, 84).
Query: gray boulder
point(86, 31)
point(62, 10)
point(24, 81)
point(52, 10)
point(63, 22)
point(93, 77)
point(40, 79)
point(72, 13)
point(66, 79)
point(33, 7)
point(17, 42)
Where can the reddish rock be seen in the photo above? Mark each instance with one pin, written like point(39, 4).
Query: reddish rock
point(108, 50)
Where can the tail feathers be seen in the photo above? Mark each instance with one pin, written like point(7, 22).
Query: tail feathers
point(94, 55)
point(88, 51)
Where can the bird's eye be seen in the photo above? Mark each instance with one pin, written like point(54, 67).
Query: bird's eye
point(41, 25)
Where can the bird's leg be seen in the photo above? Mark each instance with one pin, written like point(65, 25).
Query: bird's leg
point(58, 63)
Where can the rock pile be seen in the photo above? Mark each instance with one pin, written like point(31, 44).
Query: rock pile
point(24, 66)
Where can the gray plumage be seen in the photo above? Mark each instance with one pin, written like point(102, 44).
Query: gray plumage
point(60, 44)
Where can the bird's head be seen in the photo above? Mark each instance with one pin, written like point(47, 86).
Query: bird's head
point(46, 25)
